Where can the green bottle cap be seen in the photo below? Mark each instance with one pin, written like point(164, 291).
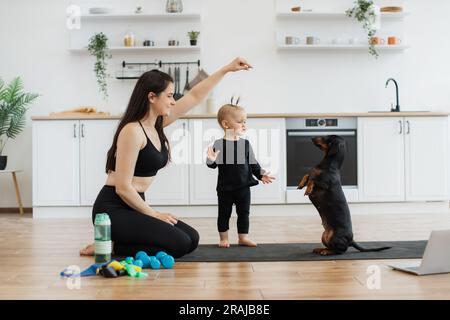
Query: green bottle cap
point(102, 219)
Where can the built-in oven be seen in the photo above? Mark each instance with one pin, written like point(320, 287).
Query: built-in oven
point(303, 155)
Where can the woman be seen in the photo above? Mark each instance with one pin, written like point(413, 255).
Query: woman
point(140, 148)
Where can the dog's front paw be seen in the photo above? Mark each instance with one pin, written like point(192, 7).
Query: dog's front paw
point(323, 251)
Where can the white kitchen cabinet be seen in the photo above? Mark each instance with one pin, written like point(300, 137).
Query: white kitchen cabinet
point(267, 137)
point(171, 184)
point(403, 158)
point(56, 152)
point(96, 137)
point(426, 165)
point(69, 158)
point(381, 159)
point(203, 180)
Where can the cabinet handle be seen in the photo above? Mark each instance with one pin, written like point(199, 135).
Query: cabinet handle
point(184, 129)
point(74, 130)
point(408, 128)
point(82, 130)
point(401, 126)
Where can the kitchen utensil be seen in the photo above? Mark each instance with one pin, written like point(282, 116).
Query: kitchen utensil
point(177, 95)
point(202, 75)
point(186, 86)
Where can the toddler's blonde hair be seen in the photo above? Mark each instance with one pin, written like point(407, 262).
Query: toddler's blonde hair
point(228, 109)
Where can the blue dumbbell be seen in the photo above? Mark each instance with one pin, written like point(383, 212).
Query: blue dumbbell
point(129, 260)
point(148, 261)
point(138, 263)
point(154, 263)
point(166, 260)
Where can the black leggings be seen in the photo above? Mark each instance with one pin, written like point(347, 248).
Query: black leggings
point(239, 197)
point(132, 231)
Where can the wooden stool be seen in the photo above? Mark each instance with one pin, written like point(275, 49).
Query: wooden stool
point(16, 186)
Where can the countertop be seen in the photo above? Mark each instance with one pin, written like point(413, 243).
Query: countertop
point(263, 115)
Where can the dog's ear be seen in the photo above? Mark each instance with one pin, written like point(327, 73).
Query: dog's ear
point(335, 148)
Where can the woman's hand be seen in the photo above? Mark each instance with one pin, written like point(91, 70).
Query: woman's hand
point(166, 217)
point(266, 178)
point(237, 64)
point(212, 156)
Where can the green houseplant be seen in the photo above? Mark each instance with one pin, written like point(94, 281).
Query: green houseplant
point(98, 48)
point(13, 106)
point(193, 36)
point(364, 12)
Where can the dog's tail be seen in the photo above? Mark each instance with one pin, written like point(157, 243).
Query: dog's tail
point(358, 247)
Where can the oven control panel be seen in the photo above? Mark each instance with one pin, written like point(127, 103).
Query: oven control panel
point(321, 122)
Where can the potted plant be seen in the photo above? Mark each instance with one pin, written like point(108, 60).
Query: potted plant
point(193, 36)
point(365, 12)
point(98, 48)
point(13, 102)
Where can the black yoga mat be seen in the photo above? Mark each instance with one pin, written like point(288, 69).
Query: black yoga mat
point(302, 252)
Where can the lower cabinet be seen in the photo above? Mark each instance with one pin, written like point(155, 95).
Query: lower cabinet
point(399, 159)
point(170, 186)
point(403, 159)
point(69, 158)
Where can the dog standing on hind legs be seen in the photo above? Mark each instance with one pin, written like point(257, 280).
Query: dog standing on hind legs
point(323, 186)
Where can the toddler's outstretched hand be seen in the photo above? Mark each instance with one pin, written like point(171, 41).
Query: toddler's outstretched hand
point(212, 156)
point(266, 178)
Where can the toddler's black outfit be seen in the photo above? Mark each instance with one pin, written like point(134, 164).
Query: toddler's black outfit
point(237, 166)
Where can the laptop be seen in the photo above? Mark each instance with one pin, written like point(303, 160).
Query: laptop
point(436, 258)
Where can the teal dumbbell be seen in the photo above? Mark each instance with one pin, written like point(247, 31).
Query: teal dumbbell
point(154, 263)
point(148, 261)
point(129, 260)
point(166, 260)
point(138, 263)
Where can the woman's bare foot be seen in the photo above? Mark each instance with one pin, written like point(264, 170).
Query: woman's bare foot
point(245, 241)
point(88, 250)
point(224, 243)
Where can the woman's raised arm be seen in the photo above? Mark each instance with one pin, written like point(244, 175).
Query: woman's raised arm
point(201, 90)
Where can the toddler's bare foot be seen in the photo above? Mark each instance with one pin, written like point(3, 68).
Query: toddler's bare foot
point(224, 244)
point(88, 250)
point(244, 241)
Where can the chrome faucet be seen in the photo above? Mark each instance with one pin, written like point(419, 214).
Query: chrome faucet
point(397, 107)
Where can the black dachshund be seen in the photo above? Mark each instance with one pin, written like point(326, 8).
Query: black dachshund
point(323, 186)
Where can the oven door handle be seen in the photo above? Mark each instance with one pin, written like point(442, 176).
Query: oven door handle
point(319, 134)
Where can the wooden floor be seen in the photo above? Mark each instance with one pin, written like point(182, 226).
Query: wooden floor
point(33, 252)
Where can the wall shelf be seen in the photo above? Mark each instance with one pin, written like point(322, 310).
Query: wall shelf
point(143, 49)
point(341, 47)
point(333, 15)
point(141, 16)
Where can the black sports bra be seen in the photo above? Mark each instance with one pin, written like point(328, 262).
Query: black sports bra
point(150, 160)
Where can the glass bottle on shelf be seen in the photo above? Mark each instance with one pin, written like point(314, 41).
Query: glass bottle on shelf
point(129, 39)
point(174, 6)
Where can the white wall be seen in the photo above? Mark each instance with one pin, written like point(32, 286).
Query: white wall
point(34, 42)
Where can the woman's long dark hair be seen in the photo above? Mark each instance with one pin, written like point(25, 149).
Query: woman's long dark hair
point(151, 81)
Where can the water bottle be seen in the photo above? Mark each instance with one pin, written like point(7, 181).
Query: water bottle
point(102, 232)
